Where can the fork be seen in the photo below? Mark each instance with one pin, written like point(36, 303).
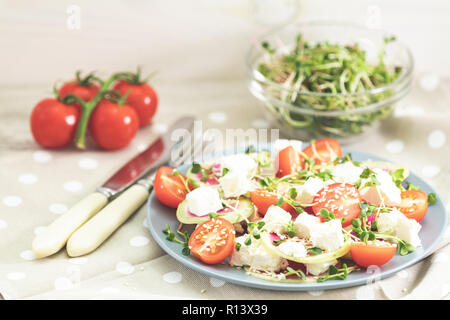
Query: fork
point(96, 230)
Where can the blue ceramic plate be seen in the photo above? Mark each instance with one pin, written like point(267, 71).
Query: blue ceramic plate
point(433, 227)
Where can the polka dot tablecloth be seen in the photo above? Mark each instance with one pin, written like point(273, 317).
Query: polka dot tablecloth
point(37, 186)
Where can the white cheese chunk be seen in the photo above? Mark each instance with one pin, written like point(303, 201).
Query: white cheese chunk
point(276, 220)
point(293, 248)
point(239, 163)
point(328, 235)
point(235, 183)
point(304, 224)
point(203, 200)
point(398, 225)
point(346, 173)
point(307, 192)
point(386, 192)
point(318, 268)
point(255, 256)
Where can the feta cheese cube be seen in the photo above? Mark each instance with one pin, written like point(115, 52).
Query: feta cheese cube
point(304, 224)
point(235, 183)
point(328, 235)
point(395, 223)
point(293, 248)
point(386, 192)
point(318, 268)
point(240, 163)
point(307, 192)
point(203, 200)
point(255, 256)
point(346, 173)
point(276, 220)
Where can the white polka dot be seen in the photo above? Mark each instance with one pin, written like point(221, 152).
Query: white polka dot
point(260, 123)
point(39, 230)
point(73, 186)
point(27, 255)
point(316, 293)
point(15, 276)
point(78, 260)
point(218, 117)
point(409, 111)
point(12, 201)
point(431, 171)
point(403, 274)
point(365, 293)
point(440, 257)
point(27, 178)
point(58, 208)
point(88, 163)
point(429, 82)
point(172, 277)
point(3, 224)
point(159, 128)
point(144, 223)
point(109, 290)
point(139, 241)
point(395, 146)
point(42, 156)
point(436, 139)
point(124, 267)
point(63, 283)
point(141, 147)
point(216, 283)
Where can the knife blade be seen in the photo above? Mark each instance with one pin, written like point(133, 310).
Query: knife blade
point(55, 236)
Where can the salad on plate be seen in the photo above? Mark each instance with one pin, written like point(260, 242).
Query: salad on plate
point(297, 214)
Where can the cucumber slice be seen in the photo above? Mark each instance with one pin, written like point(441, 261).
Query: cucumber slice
point(244, 210)
point(320, 258)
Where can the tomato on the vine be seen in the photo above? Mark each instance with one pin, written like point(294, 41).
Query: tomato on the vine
point(84, 88)
point(141, 97)
point(53, 123)
point(113, 126)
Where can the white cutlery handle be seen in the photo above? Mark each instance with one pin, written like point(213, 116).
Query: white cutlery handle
point(55, 236)
point(94, 232)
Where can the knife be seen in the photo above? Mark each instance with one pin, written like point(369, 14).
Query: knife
point(56, 235)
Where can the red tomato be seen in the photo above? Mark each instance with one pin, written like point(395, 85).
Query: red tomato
point(85, 92)
point(213, 240)
point(341, 199)
point(374, 253)
point(142, 98)
point(263, 199)
point(414, 204)
point(169, 188)
point(53, 124)
point(323, 151)
point(288, 161)
point(113, 126)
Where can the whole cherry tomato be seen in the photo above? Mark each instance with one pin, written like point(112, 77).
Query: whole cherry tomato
point(83, 88)
point(53, 124)
point(113, 126)
point(141, 97)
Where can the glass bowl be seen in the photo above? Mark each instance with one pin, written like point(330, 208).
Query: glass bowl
point(310, 115)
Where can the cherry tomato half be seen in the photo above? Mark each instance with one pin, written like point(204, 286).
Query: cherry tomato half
point(53, 124)
point(169, 188)
point(142, 98)
point(323, 151)
point(263, 199)
point(288, 161)
point(113, 126)
point(341, 199)
point(213, 240)
point(414, 204)
point(374, 253)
